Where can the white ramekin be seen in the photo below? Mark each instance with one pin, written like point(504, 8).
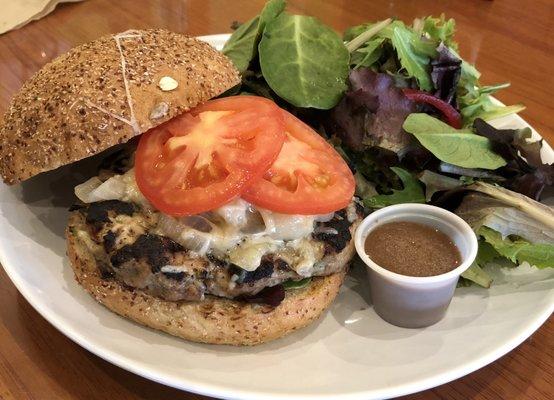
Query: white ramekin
point(409, 301)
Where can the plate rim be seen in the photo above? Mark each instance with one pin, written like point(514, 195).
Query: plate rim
point(220, 391)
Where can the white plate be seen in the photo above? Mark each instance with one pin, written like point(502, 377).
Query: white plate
point(349, 353)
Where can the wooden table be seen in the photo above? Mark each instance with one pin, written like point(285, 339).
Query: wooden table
point(509, 40)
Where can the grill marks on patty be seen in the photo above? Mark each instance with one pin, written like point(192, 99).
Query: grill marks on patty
point(98, 213)
point(153, 249)
point(265, 270)
point(339, 238)
point(127, 251)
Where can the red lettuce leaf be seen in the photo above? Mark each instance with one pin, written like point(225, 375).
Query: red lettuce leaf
point(371, 113)
point(446, 70)
point(271, 295)
point(525, 171)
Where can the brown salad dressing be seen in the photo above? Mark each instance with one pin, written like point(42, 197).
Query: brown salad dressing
point(412, 249)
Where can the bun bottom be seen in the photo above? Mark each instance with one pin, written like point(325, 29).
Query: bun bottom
point(214, 320)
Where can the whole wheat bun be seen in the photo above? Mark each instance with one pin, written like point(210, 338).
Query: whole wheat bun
point(104, 93)
point(214, 320)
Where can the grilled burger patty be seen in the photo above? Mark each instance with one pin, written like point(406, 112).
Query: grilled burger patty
point(127, 247)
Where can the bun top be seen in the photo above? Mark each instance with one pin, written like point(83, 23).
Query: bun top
point(104, 93)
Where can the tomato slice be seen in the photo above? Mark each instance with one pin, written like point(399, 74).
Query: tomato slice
point(204, 158)
point(308, 177)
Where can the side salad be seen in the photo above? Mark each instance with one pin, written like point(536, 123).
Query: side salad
point(409, 115)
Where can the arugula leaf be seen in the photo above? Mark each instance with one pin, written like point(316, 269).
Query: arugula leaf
point(304, 61)
point(241, 46)
point(441, 30)
point(388, 31)
point(475, 100)
point(413, 61)
point(412, 192)
point(364, 188)
point(458, 147)
point(366, 56)
point(367, 35)
point(477, 103)
point(487, 110)
point(356, 30)
point(540, 255)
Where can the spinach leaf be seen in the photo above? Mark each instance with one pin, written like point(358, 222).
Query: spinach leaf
point(412, 192)
point(413, 61)
point(458, 147)
point(304, 61)
point(271, 10)
point(241, 46)
point(540, 255)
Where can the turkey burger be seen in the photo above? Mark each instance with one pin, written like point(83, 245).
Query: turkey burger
point(220, 221)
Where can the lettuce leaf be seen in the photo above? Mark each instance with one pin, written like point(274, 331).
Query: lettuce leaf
point(517, 250)
point(293, 285)
point(525, 170)
point(479, 210)
point(485, 254)
point(532, 208)
point(517, 227)
point(445, 74)
point(371, 113)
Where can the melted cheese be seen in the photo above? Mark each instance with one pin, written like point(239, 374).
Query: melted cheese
point(236, 231)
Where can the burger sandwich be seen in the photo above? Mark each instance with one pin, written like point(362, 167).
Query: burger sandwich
point(219, 220)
